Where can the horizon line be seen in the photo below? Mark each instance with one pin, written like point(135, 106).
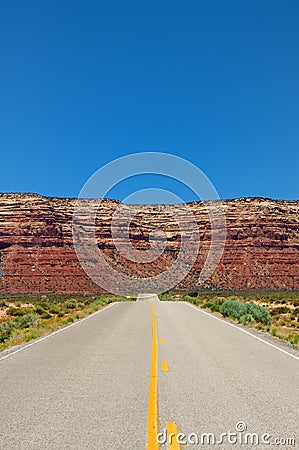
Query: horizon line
point(254, 197)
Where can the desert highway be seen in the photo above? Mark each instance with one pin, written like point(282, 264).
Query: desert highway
point(133, 369)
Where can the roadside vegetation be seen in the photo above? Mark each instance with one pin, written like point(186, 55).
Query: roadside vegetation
point(31, 316)
point(276, 313)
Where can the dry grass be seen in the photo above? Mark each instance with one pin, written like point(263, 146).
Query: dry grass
point(283, 307)
point(45, 313)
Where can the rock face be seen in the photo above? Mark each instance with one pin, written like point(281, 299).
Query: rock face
point(37, 253)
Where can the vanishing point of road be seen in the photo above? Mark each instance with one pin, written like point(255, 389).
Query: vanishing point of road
point(114, 380)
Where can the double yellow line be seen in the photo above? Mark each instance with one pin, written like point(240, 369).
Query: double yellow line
point(152, 422)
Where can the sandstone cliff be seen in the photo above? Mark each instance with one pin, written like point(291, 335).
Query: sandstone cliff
point(37, 254)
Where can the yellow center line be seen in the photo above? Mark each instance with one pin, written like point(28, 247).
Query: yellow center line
point(161, 340)
point(164, 366)
point(159, 327)
point(152, 421)
point(172, 432)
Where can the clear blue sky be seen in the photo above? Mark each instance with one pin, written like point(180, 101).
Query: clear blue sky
point(84, 82)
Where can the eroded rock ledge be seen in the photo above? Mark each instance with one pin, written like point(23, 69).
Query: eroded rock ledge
point(37, 254)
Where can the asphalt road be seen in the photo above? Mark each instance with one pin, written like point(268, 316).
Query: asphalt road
point(102, 383)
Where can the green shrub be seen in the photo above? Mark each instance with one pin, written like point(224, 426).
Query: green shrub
point(30, 335)
point(46, 316)
point(218, 301)
point(44, 305)
point(259, 313)
point(208, 304)
point(26, 321)
point(233, 309)
point(234, 298)
point(54, 309)
point(294, 340)
point(246, 318)
point(237, 310)
point(215, 308)
point(70, 304)
point(282, 310)
point(192, 300)
point(192, 294)
point(40, 311)
point(19, 311)
point(6, 329)
point(99, 301)
point(282, 323)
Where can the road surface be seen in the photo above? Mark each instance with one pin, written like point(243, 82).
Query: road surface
point(108, 381)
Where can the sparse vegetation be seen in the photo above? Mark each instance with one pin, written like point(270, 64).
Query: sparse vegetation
point(31, 316)
point(276, 313)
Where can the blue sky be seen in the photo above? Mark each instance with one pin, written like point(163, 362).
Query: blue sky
point(84, 82)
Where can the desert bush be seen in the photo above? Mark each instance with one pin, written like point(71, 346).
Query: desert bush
point(215, 308)
point(31, 334)
point(282, 310)
point(218, 301)
point(46, 316)
point(22, 311)
point(26, 321)
point(6, 329)
point(54, 309)
point(192, 294)
point(44, 305)
point(208, 304)
point(193, 300)
point(40, 311)
point(294, 340)
point(99, 301)
point(70, 304)
point(235, 298)
point(246, 318)
point(237, 310)
point(233, 309)
point(259, 313)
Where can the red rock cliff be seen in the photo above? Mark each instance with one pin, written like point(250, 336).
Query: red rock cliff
point(37, 254)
